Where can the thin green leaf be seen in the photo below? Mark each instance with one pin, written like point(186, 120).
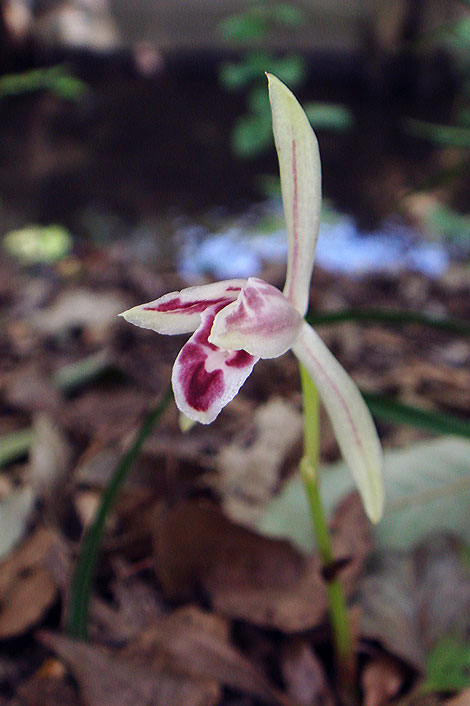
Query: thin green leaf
point(396, 412)
point(15, 445)
point(85, 568)
point(329, 116)
point(391, 316)
point(55, 79)
point(452, 135)
point(251, 135)
point(288, 15)
point(72, 376)
point(242, 28)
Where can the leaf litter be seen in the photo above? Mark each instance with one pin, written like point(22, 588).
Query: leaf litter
point(191, 604)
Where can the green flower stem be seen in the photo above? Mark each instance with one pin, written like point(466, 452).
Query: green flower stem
point(309, 471)
point(77, 622)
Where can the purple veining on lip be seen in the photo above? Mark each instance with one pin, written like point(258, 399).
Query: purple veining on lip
point(195, 307)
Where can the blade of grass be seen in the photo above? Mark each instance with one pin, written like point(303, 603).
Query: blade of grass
point(451, 135)
point(72, 376)
point(83, 577)
point(397, 412)
point(15, 445)
point(391, 316)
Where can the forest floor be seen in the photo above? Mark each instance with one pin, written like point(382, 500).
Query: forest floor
point(191, 603)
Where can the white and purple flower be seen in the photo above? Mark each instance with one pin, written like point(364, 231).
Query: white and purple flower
point(237, 322)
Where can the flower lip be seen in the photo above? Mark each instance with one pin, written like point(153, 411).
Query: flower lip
point(205, 378)
point(261, 321)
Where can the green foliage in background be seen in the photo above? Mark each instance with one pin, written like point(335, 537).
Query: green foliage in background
point(56, 79)
point(38, 244)
point(252, 134)
point(448, 666)
point(454, 38)
point(449, 224)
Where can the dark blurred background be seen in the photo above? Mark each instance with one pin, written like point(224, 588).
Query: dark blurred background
point(116, 116)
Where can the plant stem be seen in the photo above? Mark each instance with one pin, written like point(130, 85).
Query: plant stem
point(77, 622)
point(309, 471)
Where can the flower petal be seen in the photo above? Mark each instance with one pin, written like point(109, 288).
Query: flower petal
point(180, 312)
point(206, 378)
point(299, 164)
point(261, 321)
point(350, 417)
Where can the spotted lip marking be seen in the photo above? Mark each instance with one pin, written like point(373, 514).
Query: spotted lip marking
point(200, 387)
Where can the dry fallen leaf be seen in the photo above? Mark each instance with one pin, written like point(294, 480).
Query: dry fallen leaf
point(135, 606)
point(304, 675)
point(27, 388)
point(49, 466)
point(247, 576)
point(15, 511)
point(108, 415)
point(410, 600)
point(196, 642)
point(381, 678)
point(27, 588)
point(80, 307)
point(249, 467)
point(106, 678)
point(462, 699)
point(49, 686)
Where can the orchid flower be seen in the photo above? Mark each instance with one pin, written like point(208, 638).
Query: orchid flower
point(237, 322)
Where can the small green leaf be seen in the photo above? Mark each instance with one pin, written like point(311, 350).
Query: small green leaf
point(258, 101)
point(72, 376)
point(15, 445)
point(329, 116)
point(450, 135)
point(449, 223)
point(237, 75)
point(34, 243)
point(251, 136)
point(234, 76)
point(448, 666)
point(290, 69)
point(55, 79)
point(242, 28)
point(288, 15)
point(69, 88)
